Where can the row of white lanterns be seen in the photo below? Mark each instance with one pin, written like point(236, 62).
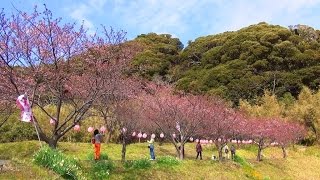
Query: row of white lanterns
point(144, 135)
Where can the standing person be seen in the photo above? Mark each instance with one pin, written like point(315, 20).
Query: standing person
point(225, 151)
point(96, 140)
point(199, 150)
point(233, 151)
point(151, 147)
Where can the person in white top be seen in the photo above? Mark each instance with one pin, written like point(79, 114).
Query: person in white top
point(151, 147)
point(225, 151)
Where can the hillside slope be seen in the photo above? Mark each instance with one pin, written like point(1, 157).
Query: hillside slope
point(302, 163)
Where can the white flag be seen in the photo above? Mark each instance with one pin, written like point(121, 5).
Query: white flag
point(24, 105)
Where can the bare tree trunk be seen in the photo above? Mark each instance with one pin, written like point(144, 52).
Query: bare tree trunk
point(124, 149)
point(284, 151)
point(259, 154)
point(220, 153)
point(181, 152)
point(219, 148)
point(178, 151)
point(109, 135)
point(53, 142)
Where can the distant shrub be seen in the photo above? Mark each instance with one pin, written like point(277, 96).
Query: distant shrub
point(55, 160)
point(167, 161)
point(138, 164)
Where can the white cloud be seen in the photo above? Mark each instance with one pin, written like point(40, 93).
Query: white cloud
point(161, 16)
point(192, 17)
point(238, 14)
point(81, 11)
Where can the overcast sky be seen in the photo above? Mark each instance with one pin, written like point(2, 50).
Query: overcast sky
point(185, 19)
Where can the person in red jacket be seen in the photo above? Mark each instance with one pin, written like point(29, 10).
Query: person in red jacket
point(199, 150)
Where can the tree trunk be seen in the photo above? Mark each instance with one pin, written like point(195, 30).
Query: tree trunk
point(220, 153)
point(259, 158)
point(109, 135)
point(219, 148)
point(284, 151)
point(181, 152)
point(53, 142)
point(124, 149)
point(178, 151)
point(260, 147)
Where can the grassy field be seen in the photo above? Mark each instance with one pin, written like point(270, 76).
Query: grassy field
point(302, 162)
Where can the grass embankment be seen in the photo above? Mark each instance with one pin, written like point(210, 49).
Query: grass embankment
point(302, 162)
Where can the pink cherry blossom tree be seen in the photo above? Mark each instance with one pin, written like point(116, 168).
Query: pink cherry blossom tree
point(129, 117)
point(6, 110)
point(288, 133)
point(56, 64)
point(224, 123)
point(179, 116)
point(273, 131)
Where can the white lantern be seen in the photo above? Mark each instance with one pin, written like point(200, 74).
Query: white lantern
point(219, 139)
point(153, 136)
point(161, 135)
point(210, 141)
point(139, 135)
point(90, 129)
point(52, 121)
point(133, 134)
point(124, 130)
point(103, 129)
point(144, 135)
point(191, 139)
point(197, 140)
point(174, 135)
point(76, 127)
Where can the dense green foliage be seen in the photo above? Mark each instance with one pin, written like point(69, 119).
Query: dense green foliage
point(101, 169)
point(103, 156)
point(304, 110)
point(15, 130)
point(237, 65)
point(160, 54)
point(167, 161)
point(138, 164)
point(53, 159)
point(242, 64)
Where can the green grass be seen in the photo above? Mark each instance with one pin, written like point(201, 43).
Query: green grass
point(302, 162)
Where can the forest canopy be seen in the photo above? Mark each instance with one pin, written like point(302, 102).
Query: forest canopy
point(236, 65)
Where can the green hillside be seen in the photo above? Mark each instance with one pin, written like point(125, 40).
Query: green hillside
point(240, 64)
